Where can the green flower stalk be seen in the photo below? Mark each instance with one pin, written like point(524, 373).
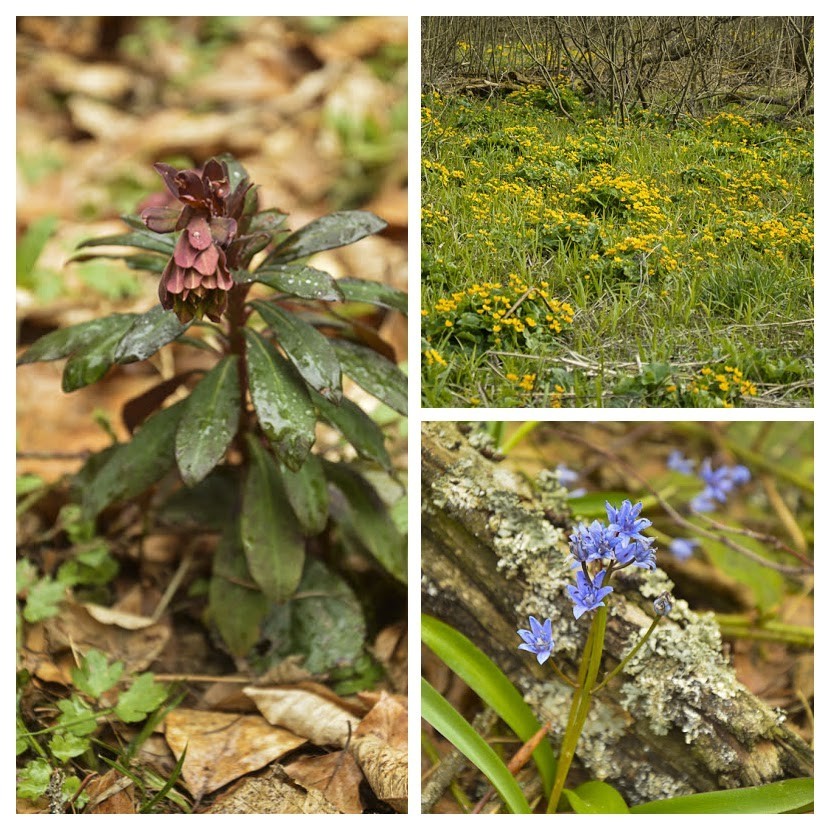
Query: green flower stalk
point(604, 549)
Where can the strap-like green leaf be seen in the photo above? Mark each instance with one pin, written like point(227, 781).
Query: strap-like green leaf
point(373, 372)
point(271, 537)
point(595, 797)
point(307, 349)
point(64, 342)
point(308, 494)
point(209, 422)
point(146, 239)
point(150, 331)
point(357, 428)
point(236, 610)
point(323, 622)
point(136, 262)
point(361, 513)
point(443, 717)
point(90, 363)
point(281, 400)
point(488, 681)
point(331, 231)
point(295, 280)
point(376, 293)
point(777, 797)
point(131, 468)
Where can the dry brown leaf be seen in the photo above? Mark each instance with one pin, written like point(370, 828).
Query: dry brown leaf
point(336, 775)
point(36, 658)
point(223, 746)
point(64, 73)
point(272, 794)
point(115, 616)
point(380, 748)
point(391, 649)
point(359, 37)
point(75, 628)
point(322, 721)
point(111, 793)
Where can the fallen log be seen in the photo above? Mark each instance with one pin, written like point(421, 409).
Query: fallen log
point(675, 721)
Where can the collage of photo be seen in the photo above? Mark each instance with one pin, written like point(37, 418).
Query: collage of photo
point(270, 477)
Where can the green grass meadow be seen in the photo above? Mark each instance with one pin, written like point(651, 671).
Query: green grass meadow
point(572, 261)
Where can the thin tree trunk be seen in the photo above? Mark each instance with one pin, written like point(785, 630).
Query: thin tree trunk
point(674, 721)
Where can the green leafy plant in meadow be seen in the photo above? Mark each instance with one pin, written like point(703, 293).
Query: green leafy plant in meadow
point(101, 694)
point(236, 449)
point(679, 245)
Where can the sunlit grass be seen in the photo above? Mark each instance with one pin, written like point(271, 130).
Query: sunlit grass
point(592, 264)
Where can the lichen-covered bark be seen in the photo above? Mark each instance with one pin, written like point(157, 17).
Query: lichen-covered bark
point(675, 721)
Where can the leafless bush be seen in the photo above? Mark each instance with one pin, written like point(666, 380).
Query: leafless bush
point(676, 64)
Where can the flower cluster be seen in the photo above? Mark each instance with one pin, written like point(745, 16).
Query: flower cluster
point(197, 278)
point(621, 542)
point(718, 482)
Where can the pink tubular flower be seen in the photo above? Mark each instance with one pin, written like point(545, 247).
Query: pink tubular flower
point(197, 278)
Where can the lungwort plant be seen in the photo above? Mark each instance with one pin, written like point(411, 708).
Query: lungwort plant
point(241, 441)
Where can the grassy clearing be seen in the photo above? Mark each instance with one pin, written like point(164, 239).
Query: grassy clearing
point(583, 263)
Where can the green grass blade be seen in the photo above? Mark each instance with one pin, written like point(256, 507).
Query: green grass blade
point(443, 717)
point(487, 680)
point(778, 797)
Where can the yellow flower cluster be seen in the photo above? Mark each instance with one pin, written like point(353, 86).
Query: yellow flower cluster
point(527, 382)
point(433, 358)
point(727, 384)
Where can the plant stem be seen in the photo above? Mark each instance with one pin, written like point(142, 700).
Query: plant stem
point(522, 431)
point(630, 654)
point(581, 703)
point(236, 318)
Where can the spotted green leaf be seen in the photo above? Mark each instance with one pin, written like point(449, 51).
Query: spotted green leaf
point(377, 375)
point(281, 400)
point(309, 351)
point(131, 468)
point(331, 231)
point(209, 421)
point(361, 514)
point(272, 539)
point(148, 333)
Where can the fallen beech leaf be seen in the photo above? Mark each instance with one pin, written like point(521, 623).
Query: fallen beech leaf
point(114, 616)
point(380, 747)
point(75, 628)
point(270, 794)
point(390, 648)
point(305, 713)
point(35, 657)
point(336, 775)
point(223, 746)
point(111, 793)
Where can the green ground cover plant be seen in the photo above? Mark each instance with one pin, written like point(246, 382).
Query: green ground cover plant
point(571, 261)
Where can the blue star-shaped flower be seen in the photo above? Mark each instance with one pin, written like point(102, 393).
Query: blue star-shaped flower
point(624, 522)
point(538, 640)
point(588, 594)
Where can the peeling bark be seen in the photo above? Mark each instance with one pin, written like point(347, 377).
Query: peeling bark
point(675, 721)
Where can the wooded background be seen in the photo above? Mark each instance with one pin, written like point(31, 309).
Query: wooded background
point(683, 65)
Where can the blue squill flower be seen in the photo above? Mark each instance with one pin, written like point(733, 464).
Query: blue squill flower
point(566, 477)
point(588, 594)
point(677, 462)
point(719, 483)
point(641, 554)
point(623, 521)
point(538, 640)
point(591, 542)
point(682, 549)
